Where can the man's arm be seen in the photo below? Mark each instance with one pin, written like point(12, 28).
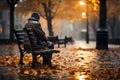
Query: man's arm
point(39, 32)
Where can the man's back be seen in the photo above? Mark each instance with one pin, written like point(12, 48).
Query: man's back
point(36, 28)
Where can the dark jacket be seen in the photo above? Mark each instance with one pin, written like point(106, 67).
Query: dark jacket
point(39, 33)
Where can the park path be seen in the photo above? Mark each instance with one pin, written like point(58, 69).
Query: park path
point(79, 61)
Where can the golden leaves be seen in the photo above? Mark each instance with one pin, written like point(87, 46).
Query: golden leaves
point(31, 72)
point(71, 64)
point(27, 58)
point(9, 60)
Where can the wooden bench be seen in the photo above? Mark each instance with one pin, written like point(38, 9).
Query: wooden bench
point(65, 41)
point(59, 41)
point(53, 39)
point(56, 40)
point(69, 40)
point(62, 41)
point(34, 48)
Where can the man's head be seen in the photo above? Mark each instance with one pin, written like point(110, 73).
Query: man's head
point(35, 16)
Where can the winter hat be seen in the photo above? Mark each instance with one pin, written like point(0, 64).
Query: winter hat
point(35, 16)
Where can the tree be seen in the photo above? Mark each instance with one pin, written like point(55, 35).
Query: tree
point(51, 9)
point(59, 9)
point(47, 8)
point(11, 4)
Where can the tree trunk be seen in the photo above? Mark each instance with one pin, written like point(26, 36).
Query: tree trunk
point(11, 38)
point(11, 4)
point(50, 29)
point(112, 25)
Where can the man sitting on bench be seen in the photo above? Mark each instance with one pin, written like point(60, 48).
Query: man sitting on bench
point(33, 23)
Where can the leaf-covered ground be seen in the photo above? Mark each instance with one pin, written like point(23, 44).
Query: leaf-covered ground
point(72, 63)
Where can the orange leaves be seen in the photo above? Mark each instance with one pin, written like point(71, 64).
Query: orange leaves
point(9, 60)
point(31, 72)
point(27, 59)
point(70, 64)
point(26, 72)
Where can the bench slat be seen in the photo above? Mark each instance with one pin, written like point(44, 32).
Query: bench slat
point(47, 51)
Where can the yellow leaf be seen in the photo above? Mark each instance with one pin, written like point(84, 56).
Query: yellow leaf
point(26, 72)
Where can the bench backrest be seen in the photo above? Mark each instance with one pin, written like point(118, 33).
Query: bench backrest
point(68, 39)
point(19, 34)
point(53, 39)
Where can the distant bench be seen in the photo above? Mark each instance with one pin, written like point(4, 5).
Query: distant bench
point(69, 40)
point(57, 40)
point(53, 39)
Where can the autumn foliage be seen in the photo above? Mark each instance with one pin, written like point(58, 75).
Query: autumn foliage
point(70, 64)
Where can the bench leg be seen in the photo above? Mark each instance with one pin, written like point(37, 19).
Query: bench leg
point(58, 45)
point(21, 58)
point(65, 44)
point(34, 60)
point(47, 59)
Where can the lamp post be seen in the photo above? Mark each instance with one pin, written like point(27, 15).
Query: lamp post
point(87, 24)
point(102, 32)
point(87, 21)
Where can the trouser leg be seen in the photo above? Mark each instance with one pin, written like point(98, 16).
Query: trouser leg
point(48, 57)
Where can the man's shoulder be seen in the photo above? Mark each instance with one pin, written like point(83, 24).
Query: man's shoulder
point(28, 24)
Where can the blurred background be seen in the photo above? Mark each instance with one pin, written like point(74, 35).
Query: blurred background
point(61, 17)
